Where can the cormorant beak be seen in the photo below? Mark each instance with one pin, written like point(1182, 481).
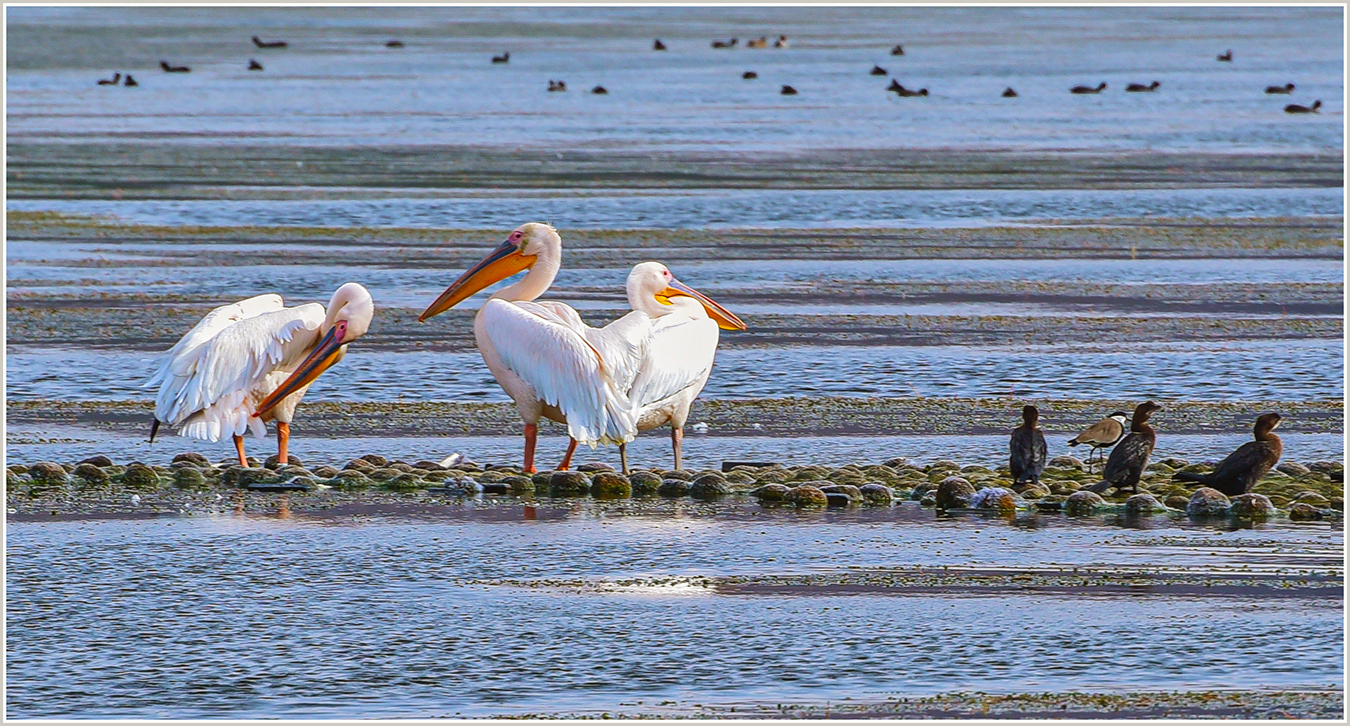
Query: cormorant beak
point(724, 318)
point(329, 351)
point(503, 262)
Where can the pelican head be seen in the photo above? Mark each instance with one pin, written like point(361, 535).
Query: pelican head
point(530, 244)
point(348, 318)
point(653, 289)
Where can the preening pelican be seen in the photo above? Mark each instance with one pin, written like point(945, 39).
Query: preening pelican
point(679, 356)
point(540, 352)
point(251, 362)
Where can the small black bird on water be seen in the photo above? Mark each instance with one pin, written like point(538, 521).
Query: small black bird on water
point(1026, 449)
point(394, 44)
point(1285, 89)
point(1243, 469)
point(749, 75)
point(658, 45)
point(1295, 108)
point(116, 79)
point(724, 44)
point(254, 65)
point(1141, 88)
point(1088, 89)
point(130, 81)
point(1227, 57)
point(503, 58)
point(897, 50)
point(906, 92)
point(1009, 92)
point(1130, 456)
point(174, 69)
point(878, 71)
point(788, 91)
point(557, 86)
point(599, 90)
point(268, 44)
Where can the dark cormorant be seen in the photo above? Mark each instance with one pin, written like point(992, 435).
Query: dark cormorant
point(268, 44)
point(1088, 89)
point(600, 90)
point(1285, 89)
point(1243, 468)
point(658, 45)
point(129, 81)
point(1141, 88)
point(749, 75)
point(1227, 57)
point(898, 50)
point(1009, 92)
point(1102, 435)
point(503, 58)
point(1295, 108)
point(394, 44)
point(788, 91)
point(1026, 449)
point(174, 69)
point(878, 71)
point(116, 79)
point(1130, 457)
point(724, 43)
point(254, 65)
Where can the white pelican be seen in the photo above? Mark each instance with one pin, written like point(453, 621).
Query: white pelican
point(539, 352)
point(679, 356)
point(251, 362)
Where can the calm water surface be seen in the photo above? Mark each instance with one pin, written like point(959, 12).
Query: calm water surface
point(443, 610)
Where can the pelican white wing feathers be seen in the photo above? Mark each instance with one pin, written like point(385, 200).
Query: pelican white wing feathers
point(219, 380)
point(180, 361)
point(542, 346)
point(680, 355)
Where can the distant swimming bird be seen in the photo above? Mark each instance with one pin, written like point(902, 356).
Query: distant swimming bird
point(1295, 108)
point(897, 50)
point(129, 81)
point(269, 44)
point(1285, 89)
point(1141, 88)
point(749, 75)
point(174, 69)
point(1088, 89)
point(254, 65)
point(878, 71)
point(658, 45)
point(116, 79)
point(782, 42)
point(251, 362)
point(599, 90)
point(1026, 449)
point(895, 86)
point(1227, 57)
point(788, 91)
point(1102, 435)
point(1243, 469)
point(763, 42)
point(1009, 92)
point(394, 44)
point(724, 44)
point(503, 58)
point(1130, 457)
point(557, 86)
point(906, 92)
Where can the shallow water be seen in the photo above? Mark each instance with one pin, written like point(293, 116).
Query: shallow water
point(445, 609)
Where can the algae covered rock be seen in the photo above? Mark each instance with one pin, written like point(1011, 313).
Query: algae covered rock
point(48, 473)
point(607, 484)
point(1206, 502)
point(1143, 503)
point(91, 473)
point(684, 474)
point(996, 498)
point(102, 461)
point(771, 492)
point(188, 477)
point(644, 483)
point(592, 467)
point(405, 482)
point(708, 487)
point(1177, 501)
point(773, 476)
point(953, 493)
point(139, 476)
point(542, 480)
point(350, 480)
point(1251, 506)
point(568, 484)
point(327, 472)
point(1313, 498)
point(1304, 512)
point(517, 484)
point(806, 495)
point(876, 493)
point(1083, 502)
point(854, 493)
point(1293, 468)
point(375, 460)
point(461, 487)
point(273, 462)
point(674, 488)
point(1066, 462)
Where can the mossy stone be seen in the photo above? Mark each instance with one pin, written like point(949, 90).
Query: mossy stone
point(188, 477)
point(1251, 506)
point(708, 488)
point(644, 483)
point(1082, 503)
point(592, 467)
point(608, 484)
point(852, 491)
point(1313, 498)
point(1177, 501)
point(684, 474)
point(1304, 512)
point(1143, 503)
point(350, 480)
point(516, 483)
point(1207, 502)
point(774, 492)
point(674, 488)
point(541, 480)
point(383, 474)
point(922, 489)
point(427, 465)
point(375, 460)
point(773, 476)
point(91, 473)
point(101, 461)
point(360, 465)
point(568, 484)
point(953, 492)
point(402, 482)
point(140, 477)
point(876, 493)
point(273, 462)
point(1293, 468)
point(47, 473)
point(740, 477)
point(1066, 462)
point(807, 495)
point(326, 472)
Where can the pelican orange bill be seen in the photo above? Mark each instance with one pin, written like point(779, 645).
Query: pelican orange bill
point(725, 319)
point(503, 262)
point(329, 351)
